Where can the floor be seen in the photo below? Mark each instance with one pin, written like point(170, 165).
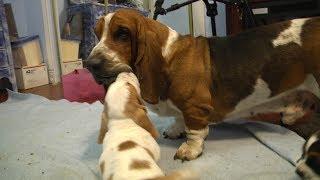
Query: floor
point(52, 92)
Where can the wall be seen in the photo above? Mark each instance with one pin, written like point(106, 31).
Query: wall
point(19, 15)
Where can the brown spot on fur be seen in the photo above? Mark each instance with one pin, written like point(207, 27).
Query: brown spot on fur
point(102, 167)
point(140, 164)
point(137, 112)
point(149, 152)
point(127, 145)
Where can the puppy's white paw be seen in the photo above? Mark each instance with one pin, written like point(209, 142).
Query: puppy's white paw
point(175, 131)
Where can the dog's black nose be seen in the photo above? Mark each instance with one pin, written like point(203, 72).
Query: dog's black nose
point(94, 64)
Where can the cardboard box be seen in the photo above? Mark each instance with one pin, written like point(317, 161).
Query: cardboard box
point(26, 52)
point(29, 77)
point(68, 67)
point(69, 50)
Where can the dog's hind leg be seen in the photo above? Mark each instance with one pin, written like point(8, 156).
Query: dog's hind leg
point(295, 107)
point(313, 124)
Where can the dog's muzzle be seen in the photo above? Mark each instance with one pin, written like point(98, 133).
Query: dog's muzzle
point(105, 71)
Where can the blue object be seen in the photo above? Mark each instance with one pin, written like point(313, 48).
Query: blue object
point(6, 61)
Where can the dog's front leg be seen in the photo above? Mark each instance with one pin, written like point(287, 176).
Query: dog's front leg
point(196, 112)
point(193, 147)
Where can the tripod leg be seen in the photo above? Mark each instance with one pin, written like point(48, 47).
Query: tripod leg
point(213, 26)
point(249, 14)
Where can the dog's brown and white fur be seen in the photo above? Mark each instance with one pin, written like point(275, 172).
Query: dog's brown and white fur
point(129, 147)
point(207, 80)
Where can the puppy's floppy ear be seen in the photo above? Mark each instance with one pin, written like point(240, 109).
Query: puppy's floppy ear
point(103, 127)
point(99, 28)
point(147, 62)
point(138, 113)
point(141, 118)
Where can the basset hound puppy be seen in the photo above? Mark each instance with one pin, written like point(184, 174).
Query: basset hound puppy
point(203, 80)
point(129, 147)
point(309, 165)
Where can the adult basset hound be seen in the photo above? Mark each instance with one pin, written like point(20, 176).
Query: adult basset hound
point(206, 80)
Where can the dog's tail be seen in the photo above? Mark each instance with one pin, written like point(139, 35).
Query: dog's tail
point(183, 174)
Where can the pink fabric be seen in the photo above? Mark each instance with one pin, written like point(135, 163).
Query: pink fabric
point(80, 86)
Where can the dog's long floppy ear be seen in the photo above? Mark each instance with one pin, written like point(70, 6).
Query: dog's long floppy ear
point(141, 118)
point(148, 63)
point(138, 113)
point(99, 28)
point(103, 126)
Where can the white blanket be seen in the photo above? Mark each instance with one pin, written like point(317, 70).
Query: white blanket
point(43, 139)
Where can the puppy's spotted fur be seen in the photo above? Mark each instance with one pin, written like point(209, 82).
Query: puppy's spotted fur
point(129, 147)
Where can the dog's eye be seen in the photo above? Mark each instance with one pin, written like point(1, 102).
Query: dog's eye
point(122, 34)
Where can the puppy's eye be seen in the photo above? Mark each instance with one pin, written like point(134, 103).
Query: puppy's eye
point(122, 34)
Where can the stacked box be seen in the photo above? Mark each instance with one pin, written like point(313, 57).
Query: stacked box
point(27, 58)
point(26, 51)
point(29, 77)
point(68, 67)
point(69, 55)
point(69, 50)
